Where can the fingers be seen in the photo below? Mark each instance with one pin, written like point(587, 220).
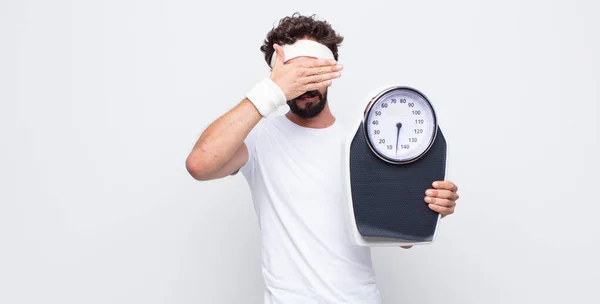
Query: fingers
point(441, 209)
point(321, 77)
point(442, 194)
point(316, 85)
point(306, 75)
point(315, 63)
point(448, 185)
point(319, 74)
point(443, 202)
point(442, 199)
point(316, 73)
point(280, 55)
point(321, 70)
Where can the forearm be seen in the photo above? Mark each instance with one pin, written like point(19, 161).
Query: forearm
point(222, 138)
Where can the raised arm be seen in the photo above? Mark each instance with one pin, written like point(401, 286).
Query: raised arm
point(220, 150)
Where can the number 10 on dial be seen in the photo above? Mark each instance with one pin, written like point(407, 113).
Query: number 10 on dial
point(400, 125)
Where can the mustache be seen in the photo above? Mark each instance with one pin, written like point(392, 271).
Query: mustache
point(310, 94)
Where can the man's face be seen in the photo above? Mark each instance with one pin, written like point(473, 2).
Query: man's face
point(309, 104)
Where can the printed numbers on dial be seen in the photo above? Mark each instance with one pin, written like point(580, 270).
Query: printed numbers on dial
point(400, 125)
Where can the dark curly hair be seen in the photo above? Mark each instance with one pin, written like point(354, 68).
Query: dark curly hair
point(297, 26)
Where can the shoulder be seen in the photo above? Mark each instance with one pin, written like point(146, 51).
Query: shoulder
point(266, 125)
point(261, 130)
point(255, 142)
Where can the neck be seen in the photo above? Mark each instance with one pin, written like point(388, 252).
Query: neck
point(323, 120)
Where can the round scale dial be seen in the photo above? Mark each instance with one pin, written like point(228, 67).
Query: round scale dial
point(400, 125)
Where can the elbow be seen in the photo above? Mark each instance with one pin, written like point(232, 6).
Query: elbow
point(196, 166)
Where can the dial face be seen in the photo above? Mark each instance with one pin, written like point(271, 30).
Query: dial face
point(400, 125)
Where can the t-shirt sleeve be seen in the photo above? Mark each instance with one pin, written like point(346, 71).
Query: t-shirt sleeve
point(251, 143)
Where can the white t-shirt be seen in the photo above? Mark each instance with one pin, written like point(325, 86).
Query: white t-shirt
point(295, 177)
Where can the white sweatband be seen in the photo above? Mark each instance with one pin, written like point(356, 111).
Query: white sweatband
point(266, 97)
point(303, 47)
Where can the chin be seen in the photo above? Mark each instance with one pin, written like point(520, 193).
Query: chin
point(308, 112)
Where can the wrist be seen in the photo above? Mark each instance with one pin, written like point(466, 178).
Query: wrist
point(266, 96)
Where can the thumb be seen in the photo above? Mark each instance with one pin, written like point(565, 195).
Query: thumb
point(280, 55)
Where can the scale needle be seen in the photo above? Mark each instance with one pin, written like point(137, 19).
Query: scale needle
point(398, 126)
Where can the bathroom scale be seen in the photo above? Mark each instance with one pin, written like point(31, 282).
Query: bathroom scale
point(393, 152)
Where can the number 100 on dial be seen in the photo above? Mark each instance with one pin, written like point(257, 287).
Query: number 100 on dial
point(400, 125)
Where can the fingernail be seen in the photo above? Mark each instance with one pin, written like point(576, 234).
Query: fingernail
point(332, 61)
point(338, 74)
point(428, 199)
point(429, 192)
point(435, 184)
point(339, 67)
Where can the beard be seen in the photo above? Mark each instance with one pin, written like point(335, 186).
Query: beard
point(311, 109)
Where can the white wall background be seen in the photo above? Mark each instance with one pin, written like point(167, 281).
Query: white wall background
point(100, 102)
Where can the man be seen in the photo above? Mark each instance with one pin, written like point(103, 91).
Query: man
point(293, 168)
